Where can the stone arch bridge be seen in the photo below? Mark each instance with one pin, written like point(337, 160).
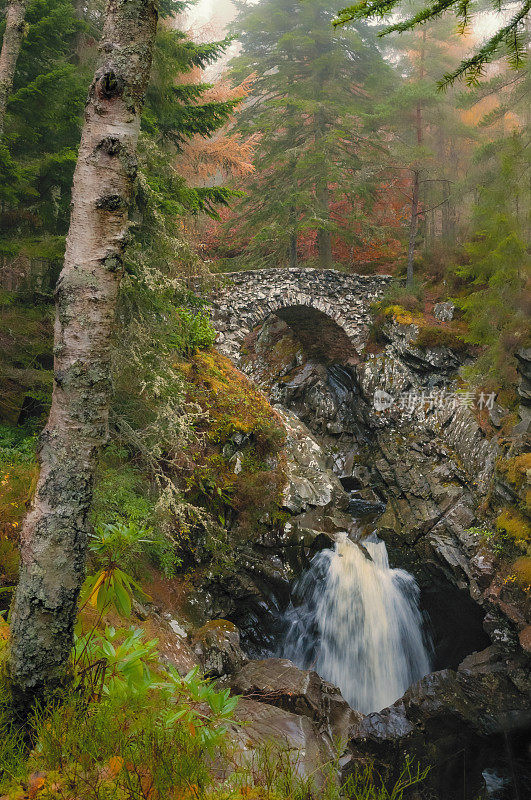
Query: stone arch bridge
point(329, 305)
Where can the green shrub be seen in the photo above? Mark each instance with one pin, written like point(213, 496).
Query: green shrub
point(499, 541)
point(268, 436)
point(121, 497)
point(13, 751)
point(17, 445)
point(193, 332)
point(117, 547)
point(125, 727)
point(396, 294)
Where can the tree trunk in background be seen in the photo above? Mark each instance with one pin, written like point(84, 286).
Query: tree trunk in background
point(448, 216)
point(293, 239)
point(413, 225)
point(414, 220)
point(324, 238)
point(54, 534)
point(292, 251)
point(16, 11)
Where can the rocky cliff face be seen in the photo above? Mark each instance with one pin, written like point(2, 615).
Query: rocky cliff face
point(398, 428)
point(392, 434)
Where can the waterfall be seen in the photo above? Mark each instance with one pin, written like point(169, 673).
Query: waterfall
point(358, 624)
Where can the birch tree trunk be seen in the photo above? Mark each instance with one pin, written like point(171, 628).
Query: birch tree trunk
point(16, 11)
point(54, 534)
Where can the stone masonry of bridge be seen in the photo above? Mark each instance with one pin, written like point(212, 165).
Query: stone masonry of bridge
point(245, 299)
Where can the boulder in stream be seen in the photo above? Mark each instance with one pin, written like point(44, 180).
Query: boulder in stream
point(278, 682)
point(280, 734)
point(442, 722)
point(217, 645)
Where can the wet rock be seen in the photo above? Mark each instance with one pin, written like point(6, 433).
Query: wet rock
point(523, 357)
point(139, 610)
point(217, 645)
point(173, 645)
point(421, 361)
point(496, 414)
point(282, 732)
point(444, 311)
point(441, 722)
point(279, 682)
point(310, 482)
point(318, 523)
point(236, 463)
point(524, 426)
point(360, 506)
point(525, 638)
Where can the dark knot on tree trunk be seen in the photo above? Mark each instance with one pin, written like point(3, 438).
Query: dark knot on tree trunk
point(110, 85)
point(110, 145)
point(112, 202)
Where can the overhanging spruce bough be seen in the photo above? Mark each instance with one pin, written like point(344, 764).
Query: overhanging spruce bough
point(511, 37)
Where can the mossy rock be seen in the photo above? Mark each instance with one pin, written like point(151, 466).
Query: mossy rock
point(521, 570)
point(402, 316)
point(515, 525)
point(433, 336)
point(238, 421)
point(217, 645)
point(517, 470)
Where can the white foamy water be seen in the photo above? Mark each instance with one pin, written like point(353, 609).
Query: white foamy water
point(358, 625)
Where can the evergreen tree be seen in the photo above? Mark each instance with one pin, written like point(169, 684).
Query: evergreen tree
point(310, 107)
point(42, 125)
point(44, 117)
point(497, 268)
point(430, 144)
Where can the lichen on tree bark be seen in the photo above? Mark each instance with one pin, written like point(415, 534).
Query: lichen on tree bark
point(54, 534)
point(11, 42)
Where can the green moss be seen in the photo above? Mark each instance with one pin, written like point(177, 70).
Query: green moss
point(515, 469)
point(430, 336)
point(515, 525)
point(521, 572)
point(401, 315)
point(233, 406)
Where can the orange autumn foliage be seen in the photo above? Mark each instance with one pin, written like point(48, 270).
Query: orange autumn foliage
point(225, 154)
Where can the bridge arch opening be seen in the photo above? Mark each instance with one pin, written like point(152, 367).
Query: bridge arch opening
point(321, 336)
point(322, 333)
